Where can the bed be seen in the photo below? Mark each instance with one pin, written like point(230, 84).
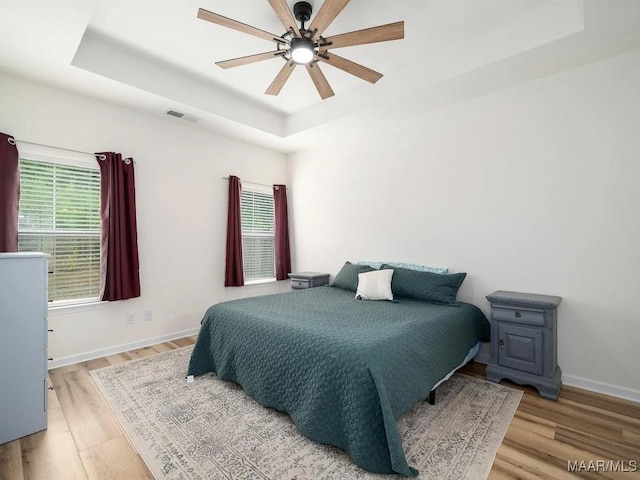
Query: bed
point(345, 370)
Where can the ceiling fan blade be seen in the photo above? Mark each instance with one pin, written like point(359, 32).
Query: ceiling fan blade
point(348, 66)
point(382, 33)
point(281, 79)
point(235, 25)
point(284, 14)
point(259, 57)
point(319, 80)
point(327, 14)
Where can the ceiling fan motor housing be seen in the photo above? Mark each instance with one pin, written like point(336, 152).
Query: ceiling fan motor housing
point(302, 11)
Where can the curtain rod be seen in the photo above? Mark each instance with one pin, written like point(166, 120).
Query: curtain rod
point(13, 141)
point(252, 183)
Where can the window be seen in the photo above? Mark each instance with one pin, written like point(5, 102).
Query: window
point(59, 214)
point(258, 234)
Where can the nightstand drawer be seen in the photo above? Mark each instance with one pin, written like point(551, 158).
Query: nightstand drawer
point(518, 315)
point(302, 280)
point(298, 283)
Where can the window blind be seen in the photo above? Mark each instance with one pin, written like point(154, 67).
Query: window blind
point(59, 214)
point(258, 235)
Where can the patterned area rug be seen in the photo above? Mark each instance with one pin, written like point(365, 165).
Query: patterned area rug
point(209, 429)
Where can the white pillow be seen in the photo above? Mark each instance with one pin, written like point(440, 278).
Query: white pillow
point(375, 285)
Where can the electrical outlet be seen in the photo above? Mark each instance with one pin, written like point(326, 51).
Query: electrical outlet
point(131, 318)
point(147, 316)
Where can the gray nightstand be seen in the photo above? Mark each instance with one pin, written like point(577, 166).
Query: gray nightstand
point(303, 280)
point(524, 341)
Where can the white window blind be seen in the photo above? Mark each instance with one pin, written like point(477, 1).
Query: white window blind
point(59, 214)
point(258, 234)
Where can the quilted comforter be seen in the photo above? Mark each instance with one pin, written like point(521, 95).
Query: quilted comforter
point(345, 370)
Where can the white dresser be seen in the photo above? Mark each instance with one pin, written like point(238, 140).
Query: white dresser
point(23, 344)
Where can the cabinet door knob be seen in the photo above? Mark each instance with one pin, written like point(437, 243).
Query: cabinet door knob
point(501, 343)
point(50, 330)
point(50, 359)
point(518, 314)
point(50, 388)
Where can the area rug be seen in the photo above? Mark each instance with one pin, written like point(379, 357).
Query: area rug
point(209, 429)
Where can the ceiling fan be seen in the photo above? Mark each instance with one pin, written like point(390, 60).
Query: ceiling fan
point(307, 46)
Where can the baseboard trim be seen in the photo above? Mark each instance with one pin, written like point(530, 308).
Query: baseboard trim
point(124, 347)
point(585, 384)
point(571, 380)
point(601, 387)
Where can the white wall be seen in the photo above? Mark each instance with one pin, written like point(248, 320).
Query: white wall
point(533, 189)
point(181, 208)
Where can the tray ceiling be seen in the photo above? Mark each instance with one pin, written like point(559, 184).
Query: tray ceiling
point(153, 56)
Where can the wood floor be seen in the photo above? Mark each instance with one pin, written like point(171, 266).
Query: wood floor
point(84, 440)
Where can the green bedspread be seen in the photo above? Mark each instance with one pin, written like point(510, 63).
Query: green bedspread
point(345, 370)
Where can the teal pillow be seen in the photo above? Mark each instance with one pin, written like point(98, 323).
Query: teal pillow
point(347, 277)
point(426, 286)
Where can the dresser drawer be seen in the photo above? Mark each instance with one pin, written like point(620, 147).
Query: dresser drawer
point(518, 315)
point(300, 283)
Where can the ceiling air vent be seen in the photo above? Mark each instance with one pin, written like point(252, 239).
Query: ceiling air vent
point(187, 117)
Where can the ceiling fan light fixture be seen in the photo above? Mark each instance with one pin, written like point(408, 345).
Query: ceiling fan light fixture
point(302, 50)
point(307, 45)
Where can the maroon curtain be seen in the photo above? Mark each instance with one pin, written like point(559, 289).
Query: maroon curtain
point(283, 256)
point(9, 194)
point(119, 254)
point(234, 270)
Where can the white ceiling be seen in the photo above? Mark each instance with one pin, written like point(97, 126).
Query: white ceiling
point(155, 55)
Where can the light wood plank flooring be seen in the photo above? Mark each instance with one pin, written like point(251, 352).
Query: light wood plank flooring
point(85, 441)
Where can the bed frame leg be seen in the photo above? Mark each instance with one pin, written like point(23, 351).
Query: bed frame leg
point(432, 397)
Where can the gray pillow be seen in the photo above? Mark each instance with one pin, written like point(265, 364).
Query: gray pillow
point(347, 277)
point(426, 286)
